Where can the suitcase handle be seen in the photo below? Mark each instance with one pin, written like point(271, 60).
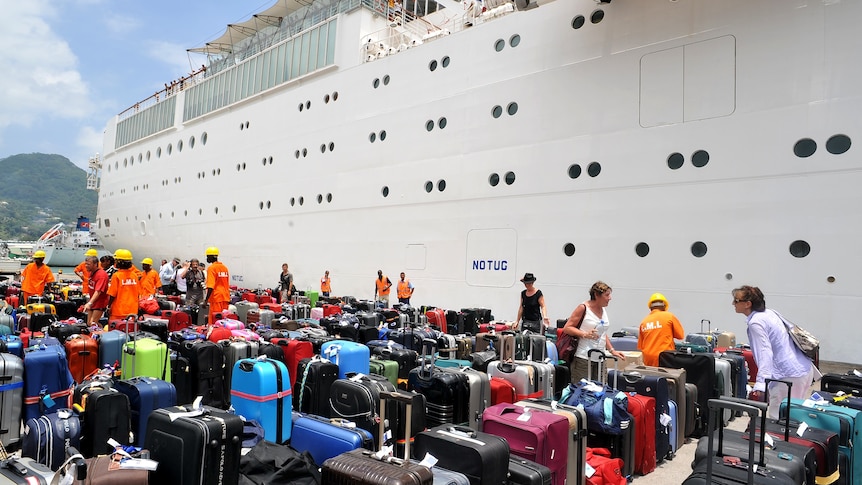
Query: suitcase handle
point(753, 409)
point(766, 398)
point(407, 400)
point(708, 324)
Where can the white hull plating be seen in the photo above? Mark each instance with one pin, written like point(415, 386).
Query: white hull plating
point(741, 81)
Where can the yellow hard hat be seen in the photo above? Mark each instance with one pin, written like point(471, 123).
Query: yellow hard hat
point(91, 252)
point(39, 254)
point(148, 261)
point(212, 251)
point(123, 255)
point(658, 297)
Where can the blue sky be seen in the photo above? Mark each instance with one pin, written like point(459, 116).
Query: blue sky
point(72, 64)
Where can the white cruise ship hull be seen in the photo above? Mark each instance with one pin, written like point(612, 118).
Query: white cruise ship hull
point(732, 87)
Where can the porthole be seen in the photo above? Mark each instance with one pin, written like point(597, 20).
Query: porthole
point(264, 161)
point(269, 160)
point(700, 158)
point(569, 249)
point(292, 201)
point(441, 185)
point(578, 22)
point(304, 152)
point(799, 249)
point(243, 165)
point(429, 125)
point(301, 107)
point(233, 209)
point(241, 126)
point(838, 144)
point(698, 249)
point(200, 212)
point(131, 161)
point(260, 205)
point(445, 61)
point(499, 45)
point(301, 200)
point(204, 137)
point(218, 171)
point(830, 279)
point(186, 213)
point(140, 158)
point(246, 125)
point(329, 197)
point(331, 146)
point(192, 142)
point(180, 146)
point(326, 98)
point(323, 148)
point(642, 249)
point(385, 191)
point(148, 155)
point(494, 180)
point(375, 83)
point(594, 169)
point(597, 16)
point(319, 198)
point(268, 204)
point(335, 96)
point(308, 105)
point(675, 161)
point(372, 137)
point(170, 148)
point(429, 186)
point(125, 162)
point(512, 109)
point(432, 66)
point(442, 123)
point(805, 147)
point(510, 178)
point(215, 210)
point(296, 153)
point(574, 171)
point(497, 111)
point(382, 135)
point(514, 40)
point(386, 80)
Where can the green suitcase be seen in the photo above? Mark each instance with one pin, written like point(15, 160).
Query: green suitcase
point(385, 368)
point(146, 358)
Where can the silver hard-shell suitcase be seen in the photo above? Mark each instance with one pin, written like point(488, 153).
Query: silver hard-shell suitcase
point(11, 398)
point(480, 393)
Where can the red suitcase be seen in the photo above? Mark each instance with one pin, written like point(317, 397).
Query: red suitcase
point(294, 351)
point(82, 352)
point(275, 307)
point(502, 391)
point(437, 319)
point(331, 310)
point(642, 409)
point(177, 320)
point(749, 359)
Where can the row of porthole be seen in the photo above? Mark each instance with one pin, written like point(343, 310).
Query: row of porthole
point(595, 17)
point(836, 145)
point(797, 249)
point(261, 205)
point(372, 137)
point(699, 159)
point(376, 82)
point(130, 161)
point(593, 170)
point(243, 126)
point(441, 123)
point(511, 108)
point(444, 62)
point(500, 44)
point(203, 174)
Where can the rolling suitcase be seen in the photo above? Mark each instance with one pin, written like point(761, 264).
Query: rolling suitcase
point(479, 384)
point(145, 394)
point(82, 351)
point(106, 415)
point(482, 457)
point(11, 398)
point(700, 371)
point(350, 357)
point(325, 438)
point(357, 399)
point(363, 467)
point(194, 446)
point(522, 376)
point(25, 471)
point(11, 344)
point(315, 377)
point(47, 380)
point(643, 411)
point(146, 357)
point(656, 388)
point(206, 368)
point(848, 383)
point(295, 350)
point(260, 390)
point(236, 350)
point(446, 393)
point(385, 368)
point(47, 437)
point(577, 435)
point(526, 472)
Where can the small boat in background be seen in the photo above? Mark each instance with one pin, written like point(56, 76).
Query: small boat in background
point(67, 248)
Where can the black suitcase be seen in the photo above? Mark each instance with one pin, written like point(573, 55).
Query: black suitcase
point(526, 472)
point(654, 387)
point(47, 437)
point(61, 330)
point(482, 457)
point(155, 327)
point(107, 415)
point(40, 320)
point(700, 371)
point(274, 352)
point(66, 309)
point(181, 378)
point(357, 399)
point(848, 383)
point(314, 378)
point(447, 394)
point(407, 359)
point(199, 449)
point(206, 366)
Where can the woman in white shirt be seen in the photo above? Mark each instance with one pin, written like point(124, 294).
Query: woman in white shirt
point(593, 331)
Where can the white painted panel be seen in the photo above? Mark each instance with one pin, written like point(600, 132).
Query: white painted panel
point(710, 78)
point(415, 256)
point(661, 88)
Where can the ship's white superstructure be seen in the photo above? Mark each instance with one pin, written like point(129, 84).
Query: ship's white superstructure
point(687, 147)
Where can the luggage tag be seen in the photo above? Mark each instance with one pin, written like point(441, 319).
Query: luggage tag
point(526, 415)
point(588, 470)
point(664, 419)
point(196, 410)
point(857, 373)
point(49, 403)
point(801, 429)
point(770, 442)
point(429, 460)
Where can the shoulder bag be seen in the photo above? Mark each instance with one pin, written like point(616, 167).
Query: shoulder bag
point(568, 344)
point(803, 339)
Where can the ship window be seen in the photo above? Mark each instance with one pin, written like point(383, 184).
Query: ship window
point(799, 249)
point(698, 249)
point(515, 40)
point(243, 165)
point(268, 204)
point(200, 212)
point(510, 178)
point(385, 191)
point(301, 200)
point(297, 154)
point(594, 169)
point(372, 137)
point(233, 209)
point(382, 135)
point(237, 167)
point(442, 122)
point(304, 152)
point(429, 186)
point(569, 249)
point(429, 125)
point(160, 215)
point(497, 111)
point(675, 161)
point(512, 109)
point(838, 144)
point(180, 146)
point(329, 197)
point(375, 83)
point(335, 96)
point(578, 22)
point(323, 148)
point(441, 185)
point(642, 249)
point(805, 148)
point(141, 157)
point(830, 279)
point(246, 125)
point(494, 179)
point(172, 214)
point(432, 66)
point(241, 126)
point(148, 155)
point(292, 201)
point(215, 210)
point(186, 212)
point(125, 162)
point(263, 161)
point(107, 223)
point(192, 142)
point(170, 148)
point(326, 98)
point(269, 160)
point(319, 198)
point(260, 205)
point(331, 146)
point(574, 171)
point(204, 138)
point(301, 107)
point(597, 16)
point(308, 105)
point(159, 152)
point(386, 80)
point(700, 158)
point(499, 45)
point(445, 61)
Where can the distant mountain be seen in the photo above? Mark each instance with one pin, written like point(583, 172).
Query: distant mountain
point(38, 190)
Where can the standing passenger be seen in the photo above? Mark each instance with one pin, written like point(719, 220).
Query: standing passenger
point(593, 331)
point(285, 284)
point(532, 308)
point(180, 279)
point(325, 284)
point(405, 290)
point(195, 279)
point(658, 330)
point(218, 285)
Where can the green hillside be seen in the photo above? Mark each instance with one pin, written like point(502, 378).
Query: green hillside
point(40, 190)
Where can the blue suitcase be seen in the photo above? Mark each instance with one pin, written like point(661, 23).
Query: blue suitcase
point(624, 343)
point(672, 427)
point(324, 438)
point(260, 390)
point(146, 394)
point(47, 437)
point(46, 341)
point(110, 347)
point(350, 357)
point(12, 344)
point(47, 380)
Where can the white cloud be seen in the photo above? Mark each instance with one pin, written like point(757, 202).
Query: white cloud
point(171, 54)
point(41, 74)
point(121, 24)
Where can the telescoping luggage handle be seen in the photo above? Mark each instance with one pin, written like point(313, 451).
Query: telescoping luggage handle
point(601, 357)
point(787, 415)
point(407, 400)
point(427, 359)
point(753, 409)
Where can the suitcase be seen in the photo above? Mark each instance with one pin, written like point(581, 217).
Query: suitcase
point(156, 326)
point(446, 393)
point(146, 357)
point(325, 438)
point(482, 457)
point(62, 330)
point(700, 371)
point(385, 368)
point(643, 411)
point(656, 388)
point(526, 472)
point(47, 380)
point(315, 377)
point(11, 398)
point(206, 368)
point(47, 437)
point(82, 352)
point(39, 320)
point(106, 415)
point(24, 470)
point(260, 390)
point(41, 308)
point(848, 383)
point(145, 394)
point(236, 350)
point(350, 357)
point(363, 467)
point(12, 344)
point(502, 391)
point(521, 375)
point(724, 383)
point(407, 359)
point(540, 436)
point(357, 399)
point(194, 447)
point(295, 350)
point(479, 384)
